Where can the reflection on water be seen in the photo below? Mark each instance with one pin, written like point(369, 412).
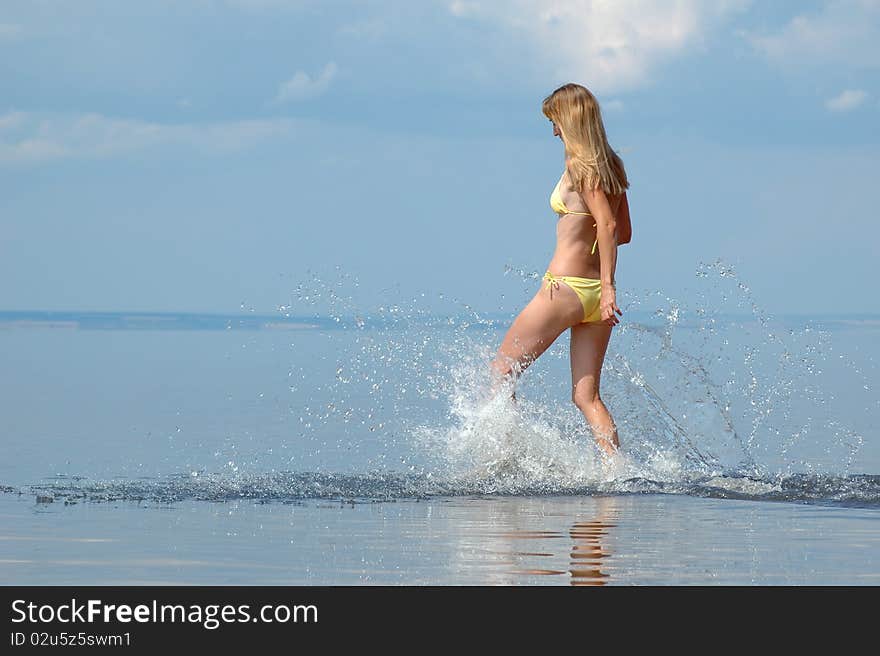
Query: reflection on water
point(534, 548)
point(587, 552)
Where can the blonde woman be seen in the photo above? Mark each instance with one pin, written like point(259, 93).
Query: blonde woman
point(578, 289)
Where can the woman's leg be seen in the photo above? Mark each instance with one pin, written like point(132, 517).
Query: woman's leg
point(533, 331)
point(589, 341)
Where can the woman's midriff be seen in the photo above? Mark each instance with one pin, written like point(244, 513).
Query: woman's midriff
point(574, 239)
point(575, 235)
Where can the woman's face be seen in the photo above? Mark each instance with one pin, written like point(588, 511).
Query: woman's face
point(556, 132)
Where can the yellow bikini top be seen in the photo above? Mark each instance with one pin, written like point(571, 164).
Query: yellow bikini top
point(560, 208)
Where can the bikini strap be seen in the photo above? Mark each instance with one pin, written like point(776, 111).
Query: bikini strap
point(551, 281)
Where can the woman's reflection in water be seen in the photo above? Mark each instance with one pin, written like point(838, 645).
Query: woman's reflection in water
point(587, 550)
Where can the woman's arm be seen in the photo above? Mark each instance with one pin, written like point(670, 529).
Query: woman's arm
point(606, 234)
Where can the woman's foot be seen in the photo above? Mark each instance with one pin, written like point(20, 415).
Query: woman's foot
point(606, 440)
point(615, 464)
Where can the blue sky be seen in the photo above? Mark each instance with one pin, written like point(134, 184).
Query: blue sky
point(198, 155)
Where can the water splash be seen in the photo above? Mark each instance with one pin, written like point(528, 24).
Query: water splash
point(711, 386)
point(696, 390)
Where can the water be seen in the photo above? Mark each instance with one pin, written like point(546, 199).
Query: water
point(539, 540)
point(362, 447)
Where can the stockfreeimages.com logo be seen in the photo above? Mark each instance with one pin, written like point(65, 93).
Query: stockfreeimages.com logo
point(210, 616)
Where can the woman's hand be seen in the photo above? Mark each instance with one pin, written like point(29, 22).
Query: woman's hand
point(608, 306)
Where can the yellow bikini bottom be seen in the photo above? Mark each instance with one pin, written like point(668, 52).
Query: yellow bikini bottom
point(588, 290)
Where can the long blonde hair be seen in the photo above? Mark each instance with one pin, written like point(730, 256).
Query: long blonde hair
point(592, 162)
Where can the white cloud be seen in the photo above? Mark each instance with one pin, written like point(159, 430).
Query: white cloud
point(9, 31)
point(608, 45)
point(302, 86)
point(11, 120)
point(370, 28)
point(843, 32)
point(32, 138)
point(464, 8)
point(846, 100)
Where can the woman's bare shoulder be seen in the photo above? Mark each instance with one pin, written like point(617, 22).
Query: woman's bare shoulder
point(593, 199)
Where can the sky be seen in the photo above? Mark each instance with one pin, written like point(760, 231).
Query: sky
point(219, 155)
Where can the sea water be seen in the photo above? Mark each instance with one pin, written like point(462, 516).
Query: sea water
point(357, 445)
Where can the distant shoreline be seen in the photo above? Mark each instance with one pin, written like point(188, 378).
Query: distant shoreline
point(95, 320)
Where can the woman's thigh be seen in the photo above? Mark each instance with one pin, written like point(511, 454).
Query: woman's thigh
point(542, 320)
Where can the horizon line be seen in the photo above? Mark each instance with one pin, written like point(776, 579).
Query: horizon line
point(331, 315)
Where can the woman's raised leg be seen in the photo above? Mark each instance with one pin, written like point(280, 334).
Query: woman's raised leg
point(533, 331)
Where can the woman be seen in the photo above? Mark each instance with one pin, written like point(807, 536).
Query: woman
point(578, 290)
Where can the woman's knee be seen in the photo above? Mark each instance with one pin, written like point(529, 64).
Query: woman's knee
point(507, 365)
point(504, 367)
point(585, 397)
